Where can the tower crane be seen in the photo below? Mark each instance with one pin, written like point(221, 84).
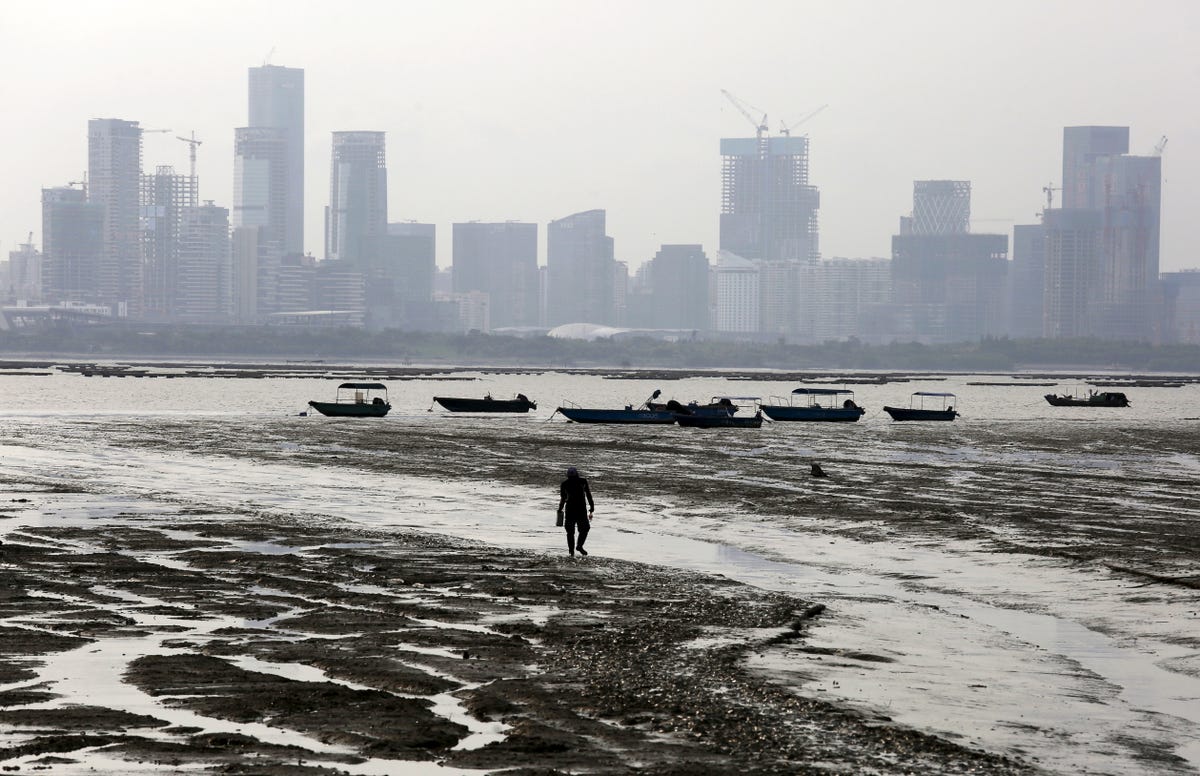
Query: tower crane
point(1049, 190)
point(192, 143)
point(144, 131)
point(760, 126)
point(1160, 145)
point(786, 129)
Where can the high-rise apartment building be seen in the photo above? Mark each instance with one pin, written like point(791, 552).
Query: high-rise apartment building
point(114, 183)
point(499, 259)
point(357, 214)
point(580, 263)
point(736, 295)
point(204, 276)
point(837, 296)
point(276, 101)
point(72, 243)
point(768, 208)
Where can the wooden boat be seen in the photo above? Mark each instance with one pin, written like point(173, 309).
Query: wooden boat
point(520, 403)
point(820, 404)
point(1092, 399)
point(641, 415)
point(916, 409)
point(355, 400)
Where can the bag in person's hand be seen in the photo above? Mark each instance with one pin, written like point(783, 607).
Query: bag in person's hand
point(558, 521)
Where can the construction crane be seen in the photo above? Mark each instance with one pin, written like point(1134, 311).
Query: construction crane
point(760, 126)
point(786, 129)
point(144, 131)
point(192, 143)
point(1160, 145)
point(1049, 190)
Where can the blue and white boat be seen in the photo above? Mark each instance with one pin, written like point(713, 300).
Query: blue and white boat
point(816, 404)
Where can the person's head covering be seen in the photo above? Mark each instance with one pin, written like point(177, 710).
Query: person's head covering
point(572, 471)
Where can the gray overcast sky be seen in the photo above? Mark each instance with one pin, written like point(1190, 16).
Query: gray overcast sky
point(534, 110)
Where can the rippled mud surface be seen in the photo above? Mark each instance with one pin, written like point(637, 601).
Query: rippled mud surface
point(251, 645)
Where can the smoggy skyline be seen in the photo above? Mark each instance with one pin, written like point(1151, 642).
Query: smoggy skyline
point(531, 111)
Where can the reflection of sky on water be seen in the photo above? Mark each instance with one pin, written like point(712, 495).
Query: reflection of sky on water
point(984, 644)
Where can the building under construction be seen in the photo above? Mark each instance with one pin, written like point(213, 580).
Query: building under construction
point(768, 208)
point(1102, 246)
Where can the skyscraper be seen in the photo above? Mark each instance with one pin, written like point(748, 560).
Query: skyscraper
point(1106, 237)
point(260, 182)
point(407, 263)
point(72, 242)
point(768, 208)
point(277, 102)
point(204, 278)
point(499, 259)
point(580, 264)
point(1027, 282)
point(357, 214)
point(114, 183)
point(947, 285)
point(166, 197)
point(1081, 147)
point(678, 277)
point(941, 207)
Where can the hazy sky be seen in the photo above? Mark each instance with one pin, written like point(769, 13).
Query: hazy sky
point(534, 110)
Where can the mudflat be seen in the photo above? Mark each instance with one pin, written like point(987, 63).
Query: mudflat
point(185, 642)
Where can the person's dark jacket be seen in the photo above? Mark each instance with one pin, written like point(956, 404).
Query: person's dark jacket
point(576, 497)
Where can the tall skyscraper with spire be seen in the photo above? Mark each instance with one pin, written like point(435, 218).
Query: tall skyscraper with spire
point(277, 102)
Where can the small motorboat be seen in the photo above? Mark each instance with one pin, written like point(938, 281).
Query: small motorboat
point(645, 414)
point(1093, 398)
point(720, 412)
point(520, 403)
point(816, 404)
point(917, 409)
point(356, 400)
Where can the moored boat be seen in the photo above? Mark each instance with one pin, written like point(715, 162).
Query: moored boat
point(520, 403)
point(816, 404)
point(646, 414)
point(916, 409)
point(627, 415)
point(1092, 399)
point(720, 412)
point(718, 420)
point(356, 400)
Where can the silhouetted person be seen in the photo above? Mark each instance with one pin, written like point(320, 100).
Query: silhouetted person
point(576, 505)
point(817, 471)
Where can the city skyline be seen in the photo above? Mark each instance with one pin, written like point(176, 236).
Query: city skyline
point(637, 132)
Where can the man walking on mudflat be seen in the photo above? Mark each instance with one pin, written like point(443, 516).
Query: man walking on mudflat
point(576, 505)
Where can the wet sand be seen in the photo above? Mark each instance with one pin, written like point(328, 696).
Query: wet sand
point(161, 640)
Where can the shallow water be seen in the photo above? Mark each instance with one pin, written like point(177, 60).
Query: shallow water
point(1004, 580)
